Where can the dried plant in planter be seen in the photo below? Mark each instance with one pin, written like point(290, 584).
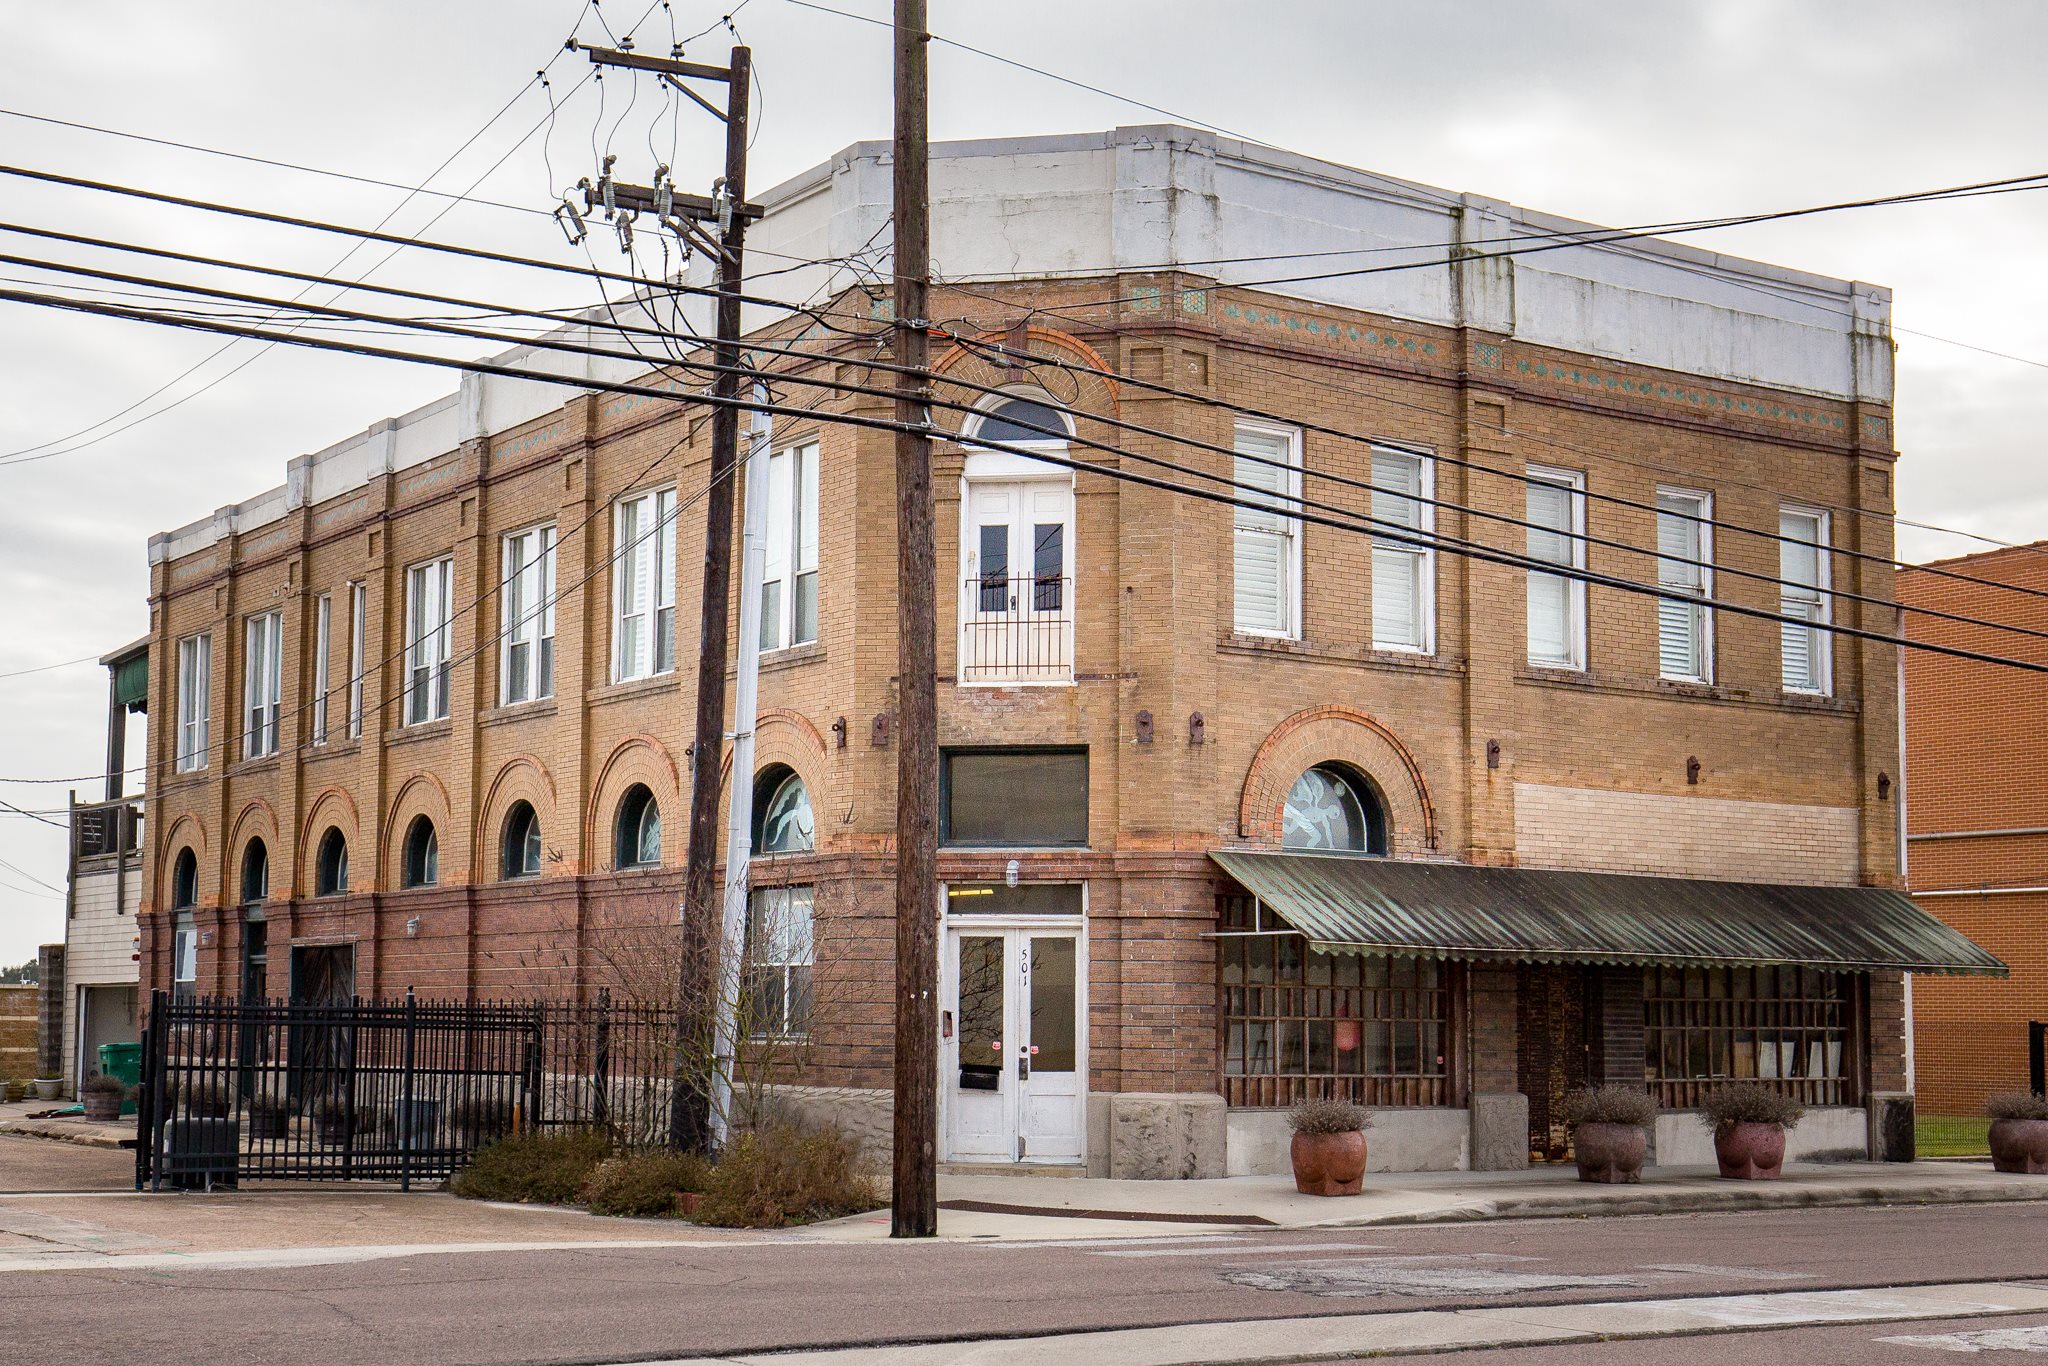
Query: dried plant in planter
point(1329, 1117)
point(1610, 1104)
point(2017, 1105)
point(207, 1099)
point(1747, 1102)
point(100, 1084)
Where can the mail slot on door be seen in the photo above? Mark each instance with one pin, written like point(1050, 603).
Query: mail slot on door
point(980, 1076)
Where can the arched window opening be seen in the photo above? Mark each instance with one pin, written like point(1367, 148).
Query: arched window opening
point(255, 872)
point(1024, 421)
point(521, 857)
point(185, 881)
point(637, 836)
point(330, 867)
point(1332, 810)
point(782, 822)
point(422, 854)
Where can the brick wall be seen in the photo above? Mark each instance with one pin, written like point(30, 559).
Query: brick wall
point(1154, 632)
point(1977, 760)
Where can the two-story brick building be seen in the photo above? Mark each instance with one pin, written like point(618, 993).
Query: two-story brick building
point(1237, 806)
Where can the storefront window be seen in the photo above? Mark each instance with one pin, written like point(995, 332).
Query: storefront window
point(1788, 1027)
point(1299, 1023)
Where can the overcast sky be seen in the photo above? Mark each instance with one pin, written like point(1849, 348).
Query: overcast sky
point(1648, 112)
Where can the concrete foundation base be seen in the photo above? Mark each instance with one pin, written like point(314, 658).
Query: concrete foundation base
point(1430, 1140)
point(1158, 1136)
point(1681, 1140)
point(1500, 1131)
point(1891, 1127)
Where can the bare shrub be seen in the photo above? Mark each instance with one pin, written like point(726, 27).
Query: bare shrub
point(776, 1176)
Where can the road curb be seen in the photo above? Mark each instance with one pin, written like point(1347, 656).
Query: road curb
point(59, 1131)
point(1739, 1199)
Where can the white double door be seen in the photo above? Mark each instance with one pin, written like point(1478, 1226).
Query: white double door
point(1017, 560)
point(1012, 1043)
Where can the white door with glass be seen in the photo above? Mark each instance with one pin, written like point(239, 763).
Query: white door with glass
point(1011, 1051)
point(1016, 601)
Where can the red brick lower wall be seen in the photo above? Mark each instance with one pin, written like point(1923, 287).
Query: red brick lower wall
point(1970, 1033)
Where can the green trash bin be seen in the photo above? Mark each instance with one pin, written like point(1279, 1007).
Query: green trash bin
point(123, 1060)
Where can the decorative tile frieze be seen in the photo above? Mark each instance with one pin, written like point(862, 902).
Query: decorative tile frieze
point(1685, 395)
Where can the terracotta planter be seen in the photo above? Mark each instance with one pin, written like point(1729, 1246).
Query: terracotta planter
point(1750, 1152)
point(1329, 1164)
point(1610, 1154)
point(2020, 1145)
point(102, 1106)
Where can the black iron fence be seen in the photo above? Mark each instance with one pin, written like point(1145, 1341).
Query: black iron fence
point(237, 1089)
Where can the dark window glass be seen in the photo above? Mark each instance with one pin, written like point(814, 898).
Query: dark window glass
point(1015, 797)
point(1022, 421)
point(639, 829)
point(330, 873)
point(995, 568)
point(255, 872)
point(185, 882)
point(422, 854)
point(1048, 565)
point(522, 842)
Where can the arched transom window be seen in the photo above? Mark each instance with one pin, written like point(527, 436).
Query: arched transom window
point(784, 825)
point(1331, 810)
point(638, 834)
point(521, 851)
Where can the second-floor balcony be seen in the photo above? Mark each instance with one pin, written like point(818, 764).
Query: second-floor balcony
point(1017, 630)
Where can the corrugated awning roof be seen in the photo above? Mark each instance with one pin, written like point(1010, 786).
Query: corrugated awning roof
point(1352, 904)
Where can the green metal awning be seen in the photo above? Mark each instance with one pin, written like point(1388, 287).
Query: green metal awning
point(1352, 904)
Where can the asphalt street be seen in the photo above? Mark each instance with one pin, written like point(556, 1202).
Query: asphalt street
point(622, 1303)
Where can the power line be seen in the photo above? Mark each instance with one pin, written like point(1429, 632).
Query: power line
point(1425, 541)
point(1581, 538)
point(45, 668)
point(1327, 382)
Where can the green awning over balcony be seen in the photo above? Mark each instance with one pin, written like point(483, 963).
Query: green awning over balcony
point(1352, 904)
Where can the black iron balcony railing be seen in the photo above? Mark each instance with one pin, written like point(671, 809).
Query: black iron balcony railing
point(1017, 630)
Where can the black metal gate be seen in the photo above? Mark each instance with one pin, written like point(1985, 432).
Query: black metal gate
point(237, 1090)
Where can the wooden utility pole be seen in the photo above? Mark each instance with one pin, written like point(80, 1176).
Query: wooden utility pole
point(691, 1106)
point(727, 208)
point(915, 1207)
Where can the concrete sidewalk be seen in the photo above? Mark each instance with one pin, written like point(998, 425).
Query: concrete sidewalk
point(14, 1119)
point(1087, 1203)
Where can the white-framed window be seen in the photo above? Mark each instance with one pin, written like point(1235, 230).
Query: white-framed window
point(779, 953)
point(195, 701)
point(789, 587)
point(1265, 541)
point(429, 639)
point(526, 656)
point(184, 957)
point(358, 608)
point(1805, 659)
point(1557, 535)
point(644, 585)
point(262, 683)
point(323, 627)
point(1685, 571)
point(1403, 574)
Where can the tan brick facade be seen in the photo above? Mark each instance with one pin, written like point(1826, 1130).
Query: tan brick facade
point(1588, 767)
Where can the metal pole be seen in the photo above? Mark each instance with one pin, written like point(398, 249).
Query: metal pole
point(739, 824)
point(407, 1115)
point(689, 1111)
point(915, 1207)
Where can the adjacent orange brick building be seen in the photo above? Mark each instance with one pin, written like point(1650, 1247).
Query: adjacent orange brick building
point(1977, 818)
point(1134, 683)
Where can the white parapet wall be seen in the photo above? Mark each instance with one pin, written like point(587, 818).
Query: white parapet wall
point(1400, 1140)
